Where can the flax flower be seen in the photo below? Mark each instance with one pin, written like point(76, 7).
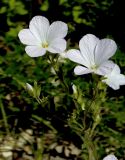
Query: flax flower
point(114, 79)
point(93, 55)
point(42, 37)
point(110, 157)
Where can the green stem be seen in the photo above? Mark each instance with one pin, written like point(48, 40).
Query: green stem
point(93, 128)
point(45, 122)
point(94, 108)
point(57, 73)
point(90, 146)
point(4, 117)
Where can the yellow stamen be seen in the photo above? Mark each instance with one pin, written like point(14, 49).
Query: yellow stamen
point(94, 67)
point(45, 45)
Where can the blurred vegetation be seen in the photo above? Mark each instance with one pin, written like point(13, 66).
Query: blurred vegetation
point(103, 18)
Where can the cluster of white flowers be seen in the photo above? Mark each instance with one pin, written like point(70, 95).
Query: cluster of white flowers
point(93, 55)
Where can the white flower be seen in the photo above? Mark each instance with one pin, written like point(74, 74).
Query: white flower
point(93, 55)
point(114, 79)
point(42, 37)
point(110, 157)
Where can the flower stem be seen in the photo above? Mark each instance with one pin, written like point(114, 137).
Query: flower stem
point(57, 73)
point(93, 108)
point(90, 146)
point(4, 117)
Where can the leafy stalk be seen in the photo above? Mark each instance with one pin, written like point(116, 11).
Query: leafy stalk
point(4, 117)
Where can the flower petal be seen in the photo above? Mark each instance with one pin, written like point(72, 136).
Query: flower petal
point(110, 157)
point(75, 56)
point(39, 26)
point(111, 83)
point(114, 79)
point(27, 38)
point(105, 68)
point(116, 69)
point(80, 70)
point(104, 50)
point(57, 46)
point(121, 79)
point(35, 51)
point(87, 46)
point(57, 29)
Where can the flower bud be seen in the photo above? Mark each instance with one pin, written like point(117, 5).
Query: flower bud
point(75, 92)
point(30, 89)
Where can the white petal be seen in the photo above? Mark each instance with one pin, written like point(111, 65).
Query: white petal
point(120, 79)
point(110, 157)
point(35, 51)
point(112, 83)
point(116, 69)
point(115, 74)
point(105, 68)
point(57, 29)
point(105, 49)
point(80, 70)
point(57, 46)
point(26, 37)
point(39, 27)
point(75, 56)
point(114, 80)
point(87, 46)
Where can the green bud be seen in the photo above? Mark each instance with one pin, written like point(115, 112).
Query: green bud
point(75, 91)
point(98, 119)
point(83, 106)
point(37, 90)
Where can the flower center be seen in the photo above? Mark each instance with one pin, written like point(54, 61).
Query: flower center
point(45, 44)
point(94, 67)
